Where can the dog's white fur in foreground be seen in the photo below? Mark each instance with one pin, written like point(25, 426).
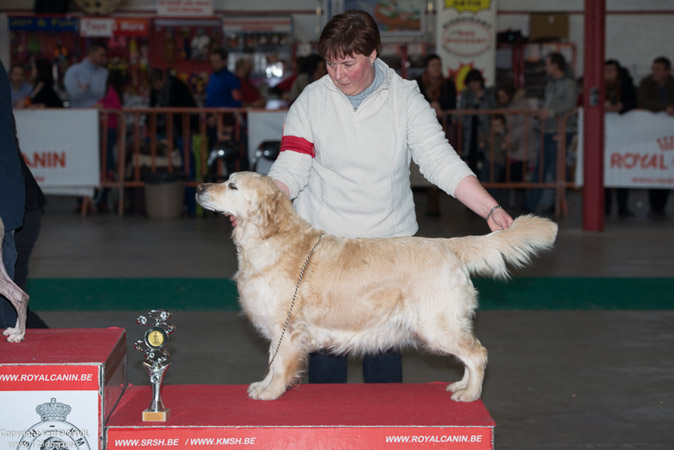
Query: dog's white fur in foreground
point(360, 295)
point(16, 296)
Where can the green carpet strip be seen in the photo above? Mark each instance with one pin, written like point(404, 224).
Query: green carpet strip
point(103, 294)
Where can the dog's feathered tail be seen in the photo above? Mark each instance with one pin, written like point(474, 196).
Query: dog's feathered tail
point(488, 254)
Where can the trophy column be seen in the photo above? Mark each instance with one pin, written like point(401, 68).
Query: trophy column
point(156, 359)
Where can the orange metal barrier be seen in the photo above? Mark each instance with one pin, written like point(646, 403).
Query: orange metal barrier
point(142, 142)
point(453, 125)
point(147, 140)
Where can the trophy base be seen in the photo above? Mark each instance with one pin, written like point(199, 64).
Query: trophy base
point(156, 416)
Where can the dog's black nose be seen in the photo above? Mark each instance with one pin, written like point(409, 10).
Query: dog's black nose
point(200, 188)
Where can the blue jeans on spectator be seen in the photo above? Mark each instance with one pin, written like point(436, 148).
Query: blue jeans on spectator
point(547, 165)
point(9, 255)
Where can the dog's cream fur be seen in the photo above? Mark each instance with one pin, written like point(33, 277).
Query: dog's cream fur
point(16, 296)
point(360, 295)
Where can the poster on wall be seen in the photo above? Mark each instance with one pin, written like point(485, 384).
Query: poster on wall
point(395, 18)
point(465, 38)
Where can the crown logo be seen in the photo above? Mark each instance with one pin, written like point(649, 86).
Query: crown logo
point(53, 411)
point(666, 143)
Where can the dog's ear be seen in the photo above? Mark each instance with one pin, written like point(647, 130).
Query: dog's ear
point(268, 224)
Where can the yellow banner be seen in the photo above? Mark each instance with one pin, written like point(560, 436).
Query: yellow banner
point(467, 5)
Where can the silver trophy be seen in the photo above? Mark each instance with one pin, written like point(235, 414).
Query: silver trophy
point(156, 358)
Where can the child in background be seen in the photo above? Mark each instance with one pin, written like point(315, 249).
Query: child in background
point(112, 100)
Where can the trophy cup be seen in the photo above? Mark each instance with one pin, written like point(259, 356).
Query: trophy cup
point(156, 359)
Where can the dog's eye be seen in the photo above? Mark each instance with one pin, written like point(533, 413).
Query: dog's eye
point(232, 186)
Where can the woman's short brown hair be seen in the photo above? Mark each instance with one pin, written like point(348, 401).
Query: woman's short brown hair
point(349, 33)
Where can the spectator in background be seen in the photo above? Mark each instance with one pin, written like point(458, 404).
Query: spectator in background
point(440, 92)
point(43, 94)
point(223, 91)
point(224, 88)
point(475, 96)
point(250, 95)
point(21, 89)
point(521, 139)
point(167, 91)
point(656, 91)
point(560, 97)
point(112, 100)
point(656, 94)
point(312, 69)
point(12, 189)
point(620, 98)
point(85, 81)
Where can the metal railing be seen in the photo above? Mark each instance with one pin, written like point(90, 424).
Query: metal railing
point(151, 140)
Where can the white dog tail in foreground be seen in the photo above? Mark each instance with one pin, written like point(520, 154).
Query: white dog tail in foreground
point(488, 254)
point(16, 296)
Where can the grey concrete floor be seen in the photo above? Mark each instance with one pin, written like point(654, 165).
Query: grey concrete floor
point(556, 379)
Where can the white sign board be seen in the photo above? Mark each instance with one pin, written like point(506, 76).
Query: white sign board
point(638, 150)
point(61, 147)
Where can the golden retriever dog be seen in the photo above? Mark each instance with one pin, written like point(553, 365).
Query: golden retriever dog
point(357, 296)
point(16, 296)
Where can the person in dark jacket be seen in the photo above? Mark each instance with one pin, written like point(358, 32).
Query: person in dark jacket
point(170, 92)
point(656, 94)
point(26, 236)
point(620, 98)
point(12, 189)
point(440, 92)
point(43, 94)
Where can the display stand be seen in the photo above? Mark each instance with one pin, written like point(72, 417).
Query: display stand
point(58, 387)
point(311, 416)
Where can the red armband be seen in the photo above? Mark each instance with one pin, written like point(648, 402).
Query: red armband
point(297, 144)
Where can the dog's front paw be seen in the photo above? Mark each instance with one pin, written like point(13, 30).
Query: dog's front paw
point(263, 391)
point(14, 335)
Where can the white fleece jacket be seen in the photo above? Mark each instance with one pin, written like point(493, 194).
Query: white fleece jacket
point(348, 169)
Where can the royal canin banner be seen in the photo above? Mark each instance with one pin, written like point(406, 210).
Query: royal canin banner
point(638, 150)
point(465, 38)
point(61, 146)
point(22, 377)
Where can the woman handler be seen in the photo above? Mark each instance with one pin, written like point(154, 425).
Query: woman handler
point(345, 156)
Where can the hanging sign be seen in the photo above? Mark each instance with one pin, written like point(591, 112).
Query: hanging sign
point(109, 27)
point(18, 23)
point(96, 27)
point(185, 8)
point(465, 38)
point(131, 26)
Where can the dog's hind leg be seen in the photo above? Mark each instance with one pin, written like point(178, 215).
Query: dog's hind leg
point(283, 371)
point(470, 352)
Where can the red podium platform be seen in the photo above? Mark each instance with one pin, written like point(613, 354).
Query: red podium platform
point(58, 387)
point(364, 416)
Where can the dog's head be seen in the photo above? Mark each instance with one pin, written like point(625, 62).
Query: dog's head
point(251, 200)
